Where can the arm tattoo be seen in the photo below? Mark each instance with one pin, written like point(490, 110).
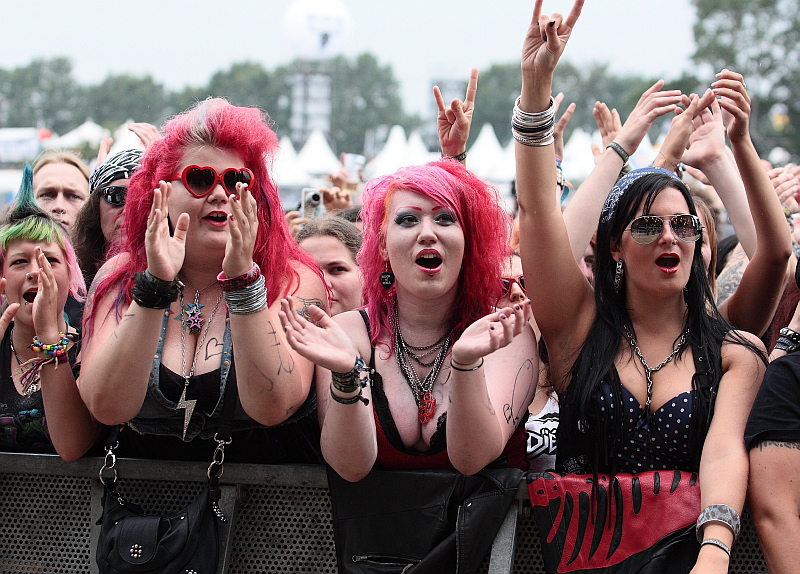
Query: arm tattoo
point(303, 312)
point(525, 373)
point(728, 281)
point(126, 317)
point(287, 362)
point(794, 444)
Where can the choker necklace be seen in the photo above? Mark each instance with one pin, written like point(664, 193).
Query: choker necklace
point(648, 370)
point(182, 402)
point(190, 315)
point(426, 402)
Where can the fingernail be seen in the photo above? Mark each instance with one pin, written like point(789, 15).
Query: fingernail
point(517, 307)
point(551, 23)
point(491, 327)
point(502, 317)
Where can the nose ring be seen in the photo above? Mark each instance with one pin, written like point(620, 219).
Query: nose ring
point(28, 276)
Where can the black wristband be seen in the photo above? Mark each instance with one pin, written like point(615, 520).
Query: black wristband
point(151, 292)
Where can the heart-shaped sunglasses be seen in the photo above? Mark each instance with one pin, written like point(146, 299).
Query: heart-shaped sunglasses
point(200, 180)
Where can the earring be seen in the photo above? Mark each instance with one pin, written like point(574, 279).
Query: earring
point(618, 276)
point(387, 278)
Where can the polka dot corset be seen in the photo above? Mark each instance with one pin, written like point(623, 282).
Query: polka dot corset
point(658, 442)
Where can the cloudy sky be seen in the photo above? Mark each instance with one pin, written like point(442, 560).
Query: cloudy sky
point(182, 42)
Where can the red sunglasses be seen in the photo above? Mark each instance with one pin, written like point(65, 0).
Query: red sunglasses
point(509, 281)
point(200, 180)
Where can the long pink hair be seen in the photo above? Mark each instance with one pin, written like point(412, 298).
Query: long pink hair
point(485, 225)
point(215, 123)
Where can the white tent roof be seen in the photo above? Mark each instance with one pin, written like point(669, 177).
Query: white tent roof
point(578, 161)
point(417, 152)
point(645, 155)
point(88, 132)
point(287, 169)
point(392, 157)
point(505, 170)
point(316, 157)
point(485, 154)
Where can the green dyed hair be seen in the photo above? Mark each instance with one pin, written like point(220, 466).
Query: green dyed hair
point(26, 220)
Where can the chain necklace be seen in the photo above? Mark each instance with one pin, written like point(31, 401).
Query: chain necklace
point(427, 350)
point(182, 402)
point(422, 390)
point(190, 315)
point(648, 370)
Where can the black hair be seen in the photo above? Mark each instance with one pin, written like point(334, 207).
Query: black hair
point(606, 338)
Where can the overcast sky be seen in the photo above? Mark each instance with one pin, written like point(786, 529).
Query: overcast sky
point(182, 42)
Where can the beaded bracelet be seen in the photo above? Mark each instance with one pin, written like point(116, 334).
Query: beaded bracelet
point(150, 292)
point(351, 380)
point(718, 514)
point(453, 366)
point(718, 543)
point(55, 349)
point(248, 300)
point(246, 279)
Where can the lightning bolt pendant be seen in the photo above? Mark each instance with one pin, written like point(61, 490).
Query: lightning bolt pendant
point(188, 405)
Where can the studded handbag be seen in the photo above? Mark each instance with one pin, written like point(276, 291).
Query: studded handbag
point(184, 542)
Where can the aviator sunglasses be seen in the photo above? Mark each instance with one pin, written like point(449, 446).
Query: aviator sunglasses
point(200, 180)
point(646, 228)
point(114, 194)
point(509, 281)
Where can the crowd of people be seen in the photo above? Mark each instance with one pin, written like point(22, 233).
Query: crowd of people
point(418, 324)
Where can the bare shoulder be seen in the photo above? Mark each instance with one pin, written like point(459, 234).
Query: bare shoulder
point(736, 354)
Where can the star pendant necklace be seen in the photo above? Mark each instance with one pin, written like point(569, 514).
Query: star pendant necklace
point(182, 402)
point(190, 315)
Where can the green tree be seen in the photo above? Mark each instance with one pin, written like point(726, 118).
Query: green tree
point(41, 94)
point(122, 97)
point(365, 95)
point(761, 40)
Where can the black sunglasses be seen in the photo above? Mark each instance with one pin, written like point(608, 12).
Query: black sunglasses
point(114, 194)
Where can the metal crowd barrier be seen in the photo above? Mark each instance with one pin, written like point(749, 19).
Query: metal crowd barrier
point(279, 517)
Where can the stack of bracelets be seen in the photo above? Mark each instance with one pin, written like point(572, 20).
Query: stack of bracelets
point(534, 129)
point(718, 514)
point(350, 382)
point(788, 341)
point(244, 294)
point(58, 351)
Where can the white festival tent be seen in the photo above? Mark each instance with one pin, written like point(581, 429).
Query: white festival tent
point(125, 139)
point(392, 157)
point(287, 170)
point(417, 152)
point(485, 154)
point(316, 157)
point(86, 133)
point(578, 161)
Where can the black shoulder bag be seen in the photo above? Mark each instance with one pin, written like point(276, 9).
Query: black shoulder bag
point(184, 541)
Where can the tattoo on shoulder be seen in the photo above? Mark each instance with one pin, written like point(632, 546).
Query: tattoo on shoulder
point(793, 444)
point(303, 311)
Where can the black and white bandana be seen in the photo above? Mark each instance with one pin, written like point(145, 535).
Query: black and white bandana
point(121, 165)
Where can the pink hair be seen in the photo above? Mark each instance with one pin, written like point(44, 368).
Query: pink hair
point(215, 123)
point(485, 225)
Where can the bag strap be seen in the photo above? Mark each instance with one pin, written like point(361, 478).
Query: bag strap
point(365, 318)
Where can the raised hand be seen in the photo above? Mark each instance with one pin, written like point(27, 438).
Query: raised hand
point(608, 124)
point(336, 198)
point(653, 104)
point(47, 314)
point(561, 124)
point(243, 225)
point(735, 103)
point(325, 344)
point(147, 133)
point(104, 149)
point(10, 311)
point(546, 39)
point(453, 122)
point(490, 333)
point(165, 252)
point(680, 130)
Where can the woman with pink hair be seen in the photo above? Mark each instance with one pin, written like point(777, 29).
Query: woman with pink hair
point(448, 386)
point(203, 219)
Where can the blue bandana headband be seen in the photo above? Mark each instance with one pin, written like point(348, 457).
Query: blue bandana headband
point(623, 184)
